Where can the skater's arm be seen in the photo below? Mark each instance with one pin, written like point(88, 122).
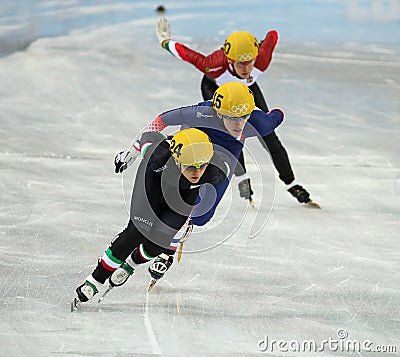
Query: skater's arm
point(212, 65)
point(186, 116)
point(267, 47)
point(126, 158)
point(149, 138)
point(262, 124)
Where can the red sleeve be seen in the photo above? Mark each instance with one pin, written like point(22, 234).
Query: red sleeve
point(212, 65)
point(266, 48)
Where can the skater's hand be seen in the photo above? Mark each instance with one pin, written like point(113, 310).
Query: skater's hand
point(163, 31)
point(123, 160)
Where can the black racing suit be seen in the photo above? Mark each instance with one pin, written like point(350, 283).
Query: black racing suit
point(271, 141)
point(162, 200)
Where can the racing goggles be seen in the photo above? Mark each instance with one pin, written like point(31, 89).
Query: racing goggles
point(195, 166)
point(246, 63)
point(243, 117)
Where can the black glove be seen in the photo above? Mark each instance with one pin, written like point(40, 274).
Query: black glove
point(188, 232)
point(245, 189)
point(299, 193)
point(122, 160)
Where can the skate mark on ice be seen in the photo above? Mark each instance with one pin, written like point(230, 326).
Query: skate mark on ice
point(149, 329)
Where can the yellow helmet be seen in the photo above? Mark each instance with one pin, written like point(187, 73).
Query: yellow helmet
point(191, 147)
point(241, 46)
point(233, 99)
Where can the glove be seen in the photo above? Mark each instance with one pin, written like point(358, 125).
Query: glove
point(188, 232)
point(163, 31)
point(299, 193)
point(123, 160)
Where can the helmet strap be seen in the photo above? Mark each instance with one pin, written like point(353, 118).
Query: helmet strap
point(219, 115)
point(178, 165)
point(231, 68)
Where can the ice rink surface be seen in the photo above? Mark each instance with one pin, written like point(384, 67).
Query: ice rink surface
point(81, 78)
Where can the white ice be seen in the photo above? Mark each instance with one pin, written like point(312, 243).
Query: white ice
point(79, 80)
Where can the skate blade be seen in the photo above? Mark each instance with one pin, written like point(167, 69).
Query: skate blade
point(251, 202)
point(104, 294)
point(75, 304)
point(180, 252)
point(151, 285)
point(311, 203)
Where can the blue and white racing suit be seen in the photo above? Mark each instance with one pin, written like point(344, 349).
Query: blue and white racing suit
point(202, 116)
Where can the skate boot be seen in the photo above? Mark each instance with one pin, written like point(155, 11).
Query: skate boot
point(85, 292)
point(122, 274)
point(245, 191)
point(88, 289)
point(159, 267)
point(299, 193)
point(302, 196)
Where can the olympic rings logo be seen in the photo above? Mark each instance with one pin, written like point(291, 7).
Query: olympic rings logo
point(243, 57)
point(201, 160)
point(240, 108)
